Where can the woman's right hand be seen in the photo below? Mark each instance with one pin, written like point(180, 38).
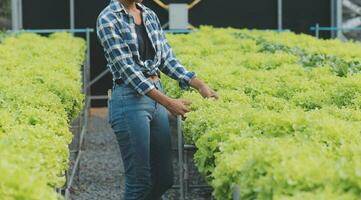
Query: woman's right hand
point(174, 106)
point(178, 107)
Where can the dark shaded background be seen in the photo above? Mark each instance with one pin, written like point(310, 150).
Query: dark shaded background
point(260, 14)
point(5, 13)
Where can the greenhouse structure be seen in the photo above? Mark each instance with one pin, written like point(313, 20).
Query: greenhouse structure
point(180, 100)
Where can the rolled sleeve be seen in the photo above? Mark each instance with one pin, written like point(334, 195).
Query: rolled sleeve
point(185, 79)
point(120, 57)
point(144, 87)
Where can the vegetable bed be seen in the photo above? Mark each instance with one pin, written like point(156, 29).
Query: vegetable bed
point(288, 121)
point(39, 95)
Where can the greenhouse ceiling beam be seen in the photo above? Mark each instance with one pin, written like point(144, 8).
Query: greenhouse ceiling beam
point(352, 23)
point(352, 6)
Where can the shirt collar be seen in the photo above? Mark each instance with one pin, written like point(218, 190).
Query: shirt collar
point(118, 7)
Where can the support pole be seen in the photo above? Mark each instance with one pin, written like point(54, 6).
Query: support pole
point(87, 71)
point(280, 14)
point(20, 12)
point(236, 192)
point(186, 173)
point(317, 31)
point(72, 15)
point(180, 157)
point(339, 18)
point(14, 15)
point(336, 18)
point(333, 17)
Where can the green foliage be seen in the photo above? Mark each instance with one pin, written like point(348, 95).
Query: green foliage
point(341, 66)
point(39, 95)
point(2, 36)
point(288, 121)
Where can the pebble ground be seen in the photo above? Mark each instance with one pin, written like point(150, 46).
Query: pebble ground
point(101, 173)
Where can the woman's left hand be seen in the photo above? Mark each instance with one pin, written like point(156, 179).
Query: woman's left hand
point(203, 89)
point(207, 92)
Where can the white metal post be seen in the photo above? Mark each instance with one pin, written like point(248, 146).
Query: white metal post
point(339, 18)
point(180, 158)
point(333, 17)
point(236, 192)
point(72, 14)
point(20, 11)
point(280, 15)
point(336, 18)
point(14, 15)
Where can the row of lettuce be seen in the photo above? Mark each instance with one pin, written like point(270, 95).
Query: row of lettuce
point(39, 96)
point(288, 121)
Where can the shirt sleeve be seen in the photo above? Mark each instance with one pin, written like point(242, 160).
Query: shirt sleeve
point(170, 64)
point(120, 56)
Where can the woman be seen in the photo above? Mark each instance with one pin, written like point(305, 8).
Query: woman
point(136, 51)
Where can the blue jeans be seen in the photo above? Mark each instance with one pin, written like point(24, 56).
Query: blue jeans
point(142, 129)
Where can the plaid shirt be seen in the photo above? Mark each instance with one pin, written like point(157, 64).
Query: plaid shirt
point(116, 32)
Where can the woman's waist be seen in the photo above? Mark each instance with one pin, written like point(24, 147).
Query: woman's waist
point(151, 77)
point(126, 89)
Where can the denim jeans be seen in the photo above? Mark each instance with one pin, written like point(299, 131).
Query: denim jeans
point(142, 129)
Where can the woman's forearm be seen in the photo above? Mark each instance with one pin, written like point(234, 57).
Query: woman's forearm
point(203, 88)
point(175, 106)
point(180, 106)
point(196, 83)
point(159, 97)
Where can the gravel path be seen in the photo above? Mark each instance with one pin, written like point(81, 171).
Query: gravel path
point(101, 174)
point(101, 168)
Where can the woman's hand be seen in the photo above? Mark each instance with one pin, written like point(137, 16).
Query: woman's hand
point(203, 89)
point(174, 106)
point(178, 107)
point(207, 92)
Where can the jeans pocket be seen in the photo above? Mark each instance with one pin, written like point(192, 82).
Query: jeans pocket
point(124, 91)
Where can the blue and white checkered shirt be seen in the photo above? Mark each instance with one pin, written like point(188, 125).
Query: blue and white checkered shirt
point(116, 32)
